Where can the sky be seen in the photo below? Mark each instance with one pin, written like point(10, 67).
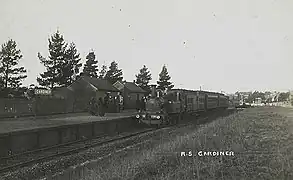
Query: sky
point(227, 45)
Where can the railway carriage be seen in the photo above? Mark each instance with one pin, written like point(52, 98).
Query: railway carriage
point(169, 108)
point(223, 101)
point(193, 100)
point(212, 100)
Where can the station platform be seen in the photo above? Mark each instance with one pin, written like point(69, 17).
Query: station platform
point(29, 123)
point(24, 134)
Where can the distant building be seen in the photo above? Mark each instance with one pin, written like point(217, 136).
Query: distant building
point(130, 92)
point(257, 101)
point(234, 100)
point(291, 97)
point(86, 87)
point(243, 97)
point(62, 93)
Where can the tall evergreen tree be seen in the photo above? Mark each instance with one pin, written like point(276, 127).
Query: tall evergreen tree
point(103, 71)
point(143, 78)
point(164, 80)
point(1, 83)
point(91, 68)
point(72, 65)
point(53, 76)
point(114, 74)
point(283, 96)
point(11, 75)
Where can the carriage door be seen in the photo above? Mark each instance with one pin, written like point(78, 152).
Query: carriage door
point(206, 102)
point(178, 103)
point(185, 102)
point(197, 101)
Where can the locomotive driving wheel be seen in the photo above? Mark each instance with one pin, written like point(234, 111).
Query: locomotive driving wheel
point(172, 120)
point(178, 118)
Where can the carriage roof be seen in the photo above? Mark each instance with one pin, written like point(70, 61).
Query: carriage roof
point(196, 91)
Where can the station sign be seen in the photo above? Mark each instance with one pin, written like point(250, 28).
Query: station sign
point(42, 92)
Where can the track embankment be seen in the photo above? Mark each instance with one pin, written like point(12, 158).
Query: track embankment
point(260, 139)
point(56, 164)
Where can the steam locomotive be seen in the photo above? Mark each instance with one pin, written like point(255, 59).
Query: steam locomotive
point(170, 107)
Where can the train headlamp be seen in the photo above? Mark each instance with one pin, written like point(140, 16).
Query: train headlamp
point(137, 116)
point(143, 116)
point(155, 117)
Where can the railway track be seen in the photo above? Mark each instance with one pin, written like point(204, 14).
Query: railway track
point(33, 157)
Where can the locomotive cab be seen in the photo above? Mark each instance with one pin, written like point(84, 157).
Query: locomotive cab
point(173, 101)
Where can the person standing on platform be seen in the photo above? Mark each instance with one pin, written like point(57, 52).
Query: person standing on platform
point(121, 102)
point(143, 106)
point(101, 107)
point(93, 105)
point(106, 100)
point(116, 103)
point(33, 106)
point(138, 104)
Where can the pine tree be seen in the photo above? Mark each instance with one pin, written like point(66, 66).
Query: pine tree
point(53, 76)
point(103, 71)
point(283, 96)
point(11, 75)
point(164, 80)
point(72, 65)
point(91, 68)
point(2, 93)
point(143, 78)
point(114, 74)
point(1, 82)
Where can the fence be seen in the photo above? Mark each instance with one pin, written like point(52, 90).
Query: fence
point(35, 107)
point(44, 106)
point(14, 107)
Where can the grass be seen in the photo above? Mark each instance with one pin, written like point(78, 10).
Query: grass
point(260, 138)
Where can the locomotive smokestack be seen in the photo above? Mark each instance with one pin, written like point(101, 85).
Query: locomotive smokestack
point(153, 91)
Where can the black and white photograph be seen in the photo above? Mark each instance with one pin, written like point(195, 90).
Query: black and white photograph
point(139, 90)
